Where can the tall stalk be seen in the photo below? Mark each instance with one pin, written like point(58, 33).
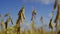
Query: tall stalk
point(33, 22)
point(42, 21)
point(8, 20)
point(21, 16)
point(51, 25)
point(2, 24)
point(58, 14)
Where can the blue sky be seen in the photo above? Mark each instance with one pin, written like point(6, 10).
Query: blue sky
point(43, 8)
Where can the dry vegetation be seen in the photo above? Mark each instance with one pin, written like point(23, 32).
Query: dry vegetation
point(21, 17)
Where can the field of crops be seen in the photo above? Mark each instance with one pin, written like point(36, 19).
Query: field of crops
point(16, 29)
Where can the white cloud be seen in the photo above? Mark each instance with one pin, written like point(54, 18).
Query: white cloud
point(41, 1)
point(47, 1)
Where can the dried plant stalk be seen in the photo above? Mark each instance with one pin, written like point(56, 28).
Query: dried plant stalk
point(21, 16)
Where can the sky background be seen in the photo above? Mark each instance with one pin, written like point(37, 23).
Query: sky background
point(43, 8)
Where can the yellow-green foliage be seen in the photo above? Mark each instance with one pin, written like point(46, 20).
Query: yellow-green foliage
point(21, 17)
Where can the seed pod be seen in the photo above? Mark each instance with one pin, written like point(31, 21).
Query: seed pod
point(58, 14)
point(41, 19)
point(55, 5)
point(21, 14)
point(33, 14)
point(50, 24)
point(11, 21)
point(8, 14)
point(8, 20)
